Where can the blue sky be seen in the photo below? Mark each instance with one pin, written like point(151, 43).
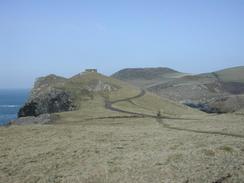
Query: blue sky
point(65, 37)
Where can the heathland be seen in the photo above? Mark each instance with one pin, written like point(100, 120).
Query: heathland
point(102, 129)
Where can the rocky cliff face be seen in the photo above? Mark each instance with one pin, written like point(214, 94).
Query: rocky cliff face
point(51, 102)
point(53, 94)
point(46, 97)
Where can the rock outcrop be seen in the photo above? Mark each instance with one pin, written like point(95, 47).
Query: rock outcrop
point(52, 94)
point(51, 102)
point(47, 96)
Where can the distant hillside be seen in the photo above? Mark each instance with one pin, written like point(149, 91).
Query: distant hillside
point(219, 91)
point(143, 73)
point(145, 77)
point(234, 74)
point(90, 94)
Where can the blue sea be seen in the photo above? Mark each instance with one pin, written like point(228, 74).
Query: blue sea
point(10, 102)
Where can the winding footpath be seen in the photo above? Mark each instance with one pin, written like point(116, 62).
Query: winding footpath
point(109, 105)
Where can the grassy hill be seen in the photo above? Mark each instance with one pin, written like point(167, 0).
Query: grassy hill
point(146, 77)
point(148, 104)
point(114, 136)
point(87, 95)
point(234, 74)
point(220, 91)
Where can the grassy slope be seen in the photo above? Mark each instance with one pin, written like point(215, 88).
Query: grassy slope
point(123, 150)
point(151, 104)
point(235, 74)
point(148, 104)
point(142, 73)
point(96, 107)
point(145, 77)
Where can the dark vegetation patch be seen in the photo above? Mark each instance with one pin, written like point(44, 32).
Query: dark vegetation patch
point(203, 107)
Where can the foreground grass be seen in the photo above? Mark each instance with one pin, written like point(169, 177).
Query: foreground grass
point(123, 150)
point(95, 144)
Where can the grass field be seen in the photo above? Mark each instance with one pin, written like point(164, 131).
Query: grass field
point(123, 150)
point(116, 137)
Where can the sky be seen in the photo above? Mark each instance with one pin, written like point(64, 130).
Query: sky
point(64, 37)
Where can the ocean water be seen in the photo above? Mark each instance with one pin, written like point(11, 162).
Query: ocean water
point(10, 102)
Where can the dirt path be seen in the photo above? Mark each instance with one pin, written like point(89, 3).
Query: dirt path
point(160, 121)
point(109, 105)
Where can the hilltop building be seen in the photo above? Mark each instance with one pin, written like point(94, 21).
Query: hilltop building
point(91, 70)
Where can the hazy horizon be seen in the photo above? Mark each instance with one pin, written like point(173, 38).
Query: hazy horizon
point(38, 38)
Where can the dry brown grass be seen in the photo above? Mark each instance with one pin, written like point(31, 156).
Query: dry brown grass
point(122, 150)
point(85, 146)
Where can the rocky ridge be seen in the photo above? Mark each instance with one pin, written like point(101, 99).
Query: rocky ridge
point(52, 94)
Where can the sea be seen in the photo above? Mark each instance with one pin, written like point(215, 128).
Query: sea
point(10, 102)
